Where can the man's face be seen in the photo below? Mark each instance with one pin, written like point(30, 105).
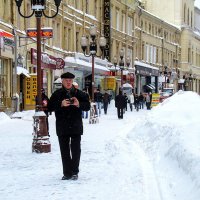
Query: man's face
point(67, 83)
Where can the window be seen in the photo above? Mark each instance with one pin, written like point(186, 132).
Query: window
point(58, 35)
point(77, 41)
point(86, 7)
point(65, 46)
point(95, 8)
point(69, 39)
point(130, 25)
point(129, 53)
point(150, 28)
point(184, 13)
point(189, 55)
point(147, 53)
point(117, 20)
point(3, 78)
point(123, 23)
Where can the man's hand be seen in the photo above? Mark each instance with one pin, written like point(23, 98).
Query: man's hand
point(65, 103)
point(76, 102)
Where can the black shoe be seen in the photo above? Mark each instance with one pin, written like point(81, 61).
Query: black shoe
point(66, 177)
point(74, 177)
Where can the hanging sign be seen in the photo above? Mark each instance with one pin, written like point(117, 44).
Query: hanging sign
point(107, 27)
point(45, 32)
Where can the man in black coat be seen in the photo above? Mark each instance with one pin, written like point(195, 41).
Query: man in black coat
point(120, 104)
point(68, 104)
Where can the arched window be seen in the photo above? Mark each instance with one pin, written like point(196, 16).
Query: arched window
point(188, 17)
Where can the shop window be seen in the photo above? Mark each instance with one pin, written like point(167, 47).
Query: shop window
point(3, 79)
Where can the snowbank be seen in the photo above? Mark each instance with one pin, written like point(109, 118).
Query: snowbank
point(168, 128)
point(3, 117)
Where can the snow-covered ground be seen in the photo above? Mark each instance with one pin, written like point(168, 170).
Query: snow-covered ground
point(149, 155)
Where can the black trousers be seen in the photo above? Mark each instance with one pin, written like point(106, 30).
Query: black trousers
point(120, 113)
point(70, 149)
point(105, 106)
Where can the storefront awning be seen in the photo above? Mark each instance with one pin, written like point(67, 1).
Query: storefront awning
point(21, 70)
point(83, 65)
point(146, 69)
point(151, 87)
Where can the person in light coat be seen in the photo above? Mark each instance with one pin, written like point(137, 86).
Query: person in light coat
point(131, 101)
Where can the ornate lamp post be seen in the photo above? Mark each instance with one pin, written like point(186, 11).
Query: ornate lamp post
point(92, 53)
point(115, 64)
point(121, 64)
point(165, 74)
point(41, 140)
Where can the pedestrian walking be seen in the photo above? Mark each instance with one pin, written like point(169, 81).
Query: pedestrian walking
point(141, 101)
point(85, 113)
point(148, 101)
point(126, 102)
point(98, 100)
point(106, 98)
point(136, 101)
point(68, 104)
point(131, 101)
point(120, 104)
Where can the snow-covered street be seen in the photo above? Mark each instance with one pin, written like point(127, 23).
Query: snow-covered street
point(149, 155)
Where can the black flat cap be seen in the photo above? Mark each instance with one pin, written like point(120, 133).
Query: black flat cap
point(67, 75)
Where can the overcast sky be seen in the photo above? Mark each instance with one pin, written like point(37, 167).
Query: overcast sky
point(197, 3)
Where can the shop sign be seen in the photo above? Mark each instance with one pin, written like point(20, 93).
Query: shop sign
point(146, 71)
point(6, 39)
point(45, 32)
point(30, 90)
point(47, 61)
point(110, 83)
point(155, 99)
point(107, 27)
point(8, 42)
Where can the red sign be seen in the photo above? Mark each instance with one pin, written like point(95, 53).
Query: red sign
point(6, 34)
point(45, 33)
point(47, 61)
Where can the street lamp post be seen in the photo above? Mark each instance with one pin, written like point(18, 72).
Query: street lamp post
point(41, 139)
point(165, 74)
point(93, 51)
point(121, 65)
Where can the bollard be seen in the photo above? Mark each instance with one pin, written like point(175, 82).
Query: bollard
point(41, 142)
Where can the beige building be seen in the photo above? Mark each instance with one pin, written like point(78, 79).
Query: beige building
point(154, 44)
point(183, 14)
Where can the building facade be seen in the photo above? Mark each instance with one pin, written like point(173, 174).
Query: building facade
point(183, 14)
point(164, 49)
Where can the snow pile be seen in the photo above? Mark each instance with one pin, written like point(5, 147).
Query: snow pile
point(3, 117)
point(171, 131)
point(25, 115)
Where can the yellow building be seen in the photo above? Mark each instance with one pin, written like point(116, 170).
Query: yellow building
point(183, 14)
point(154, 41)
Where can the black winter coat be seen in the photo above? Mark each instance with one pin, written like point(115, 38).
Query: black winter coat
point(98, 97)
point(120, 101)
point(68, 119)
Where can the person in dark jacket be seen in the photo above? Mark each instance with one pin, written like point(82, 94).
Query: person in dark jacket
point(141, 101)
point(136, 101)
point(68, 104)
point(98, 97)
point(120, 104)
point(126, 98)
point(106, 99)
